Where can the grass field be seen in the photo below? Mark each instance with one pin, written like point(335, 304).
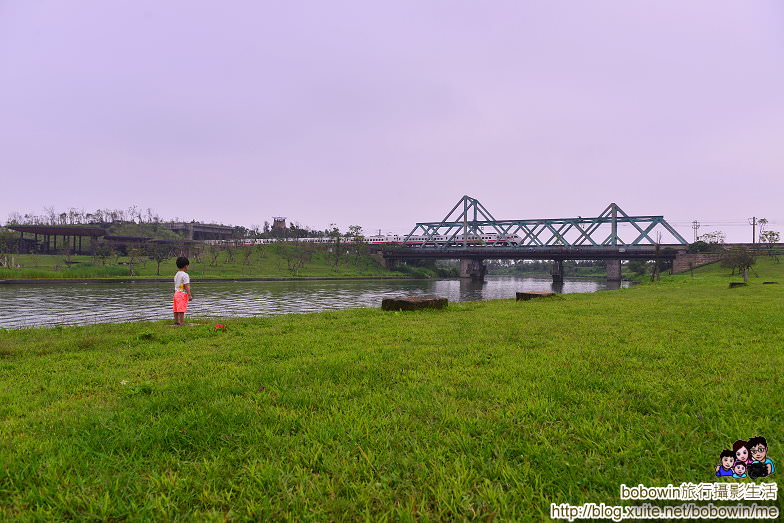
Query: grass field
point(271, 264)
point(481, 411)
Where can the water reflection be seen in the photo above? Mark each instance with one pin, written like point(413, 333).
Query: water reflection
point(58, 304)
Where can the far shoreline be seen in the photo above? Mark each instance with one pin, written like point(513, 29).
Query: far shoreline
point(24, 281)
point(63, 281)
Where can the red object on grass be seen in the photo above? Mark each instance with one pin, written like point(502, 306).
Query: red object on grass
point(219, 326)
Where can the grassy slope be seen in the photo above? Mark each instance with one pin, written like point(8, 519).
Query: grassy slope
point(269, 266)
point(485, 408)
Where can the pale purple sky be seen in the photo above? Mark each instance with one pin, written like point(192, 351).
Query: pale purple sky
point(385, 113)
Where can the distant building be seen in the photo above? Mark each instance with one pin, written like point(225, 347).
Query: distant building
point(278, 223)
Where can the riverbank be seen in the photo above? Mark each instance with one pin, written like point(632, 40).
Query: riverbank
point(274, 262)
point(482, 410)
point(46, 281)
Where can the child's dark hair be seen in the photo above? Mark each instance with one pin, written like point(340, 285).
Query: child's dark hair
point(727, 453)
point(735, 446)
point(182, 261)
point(740, 463)
point(756, 440)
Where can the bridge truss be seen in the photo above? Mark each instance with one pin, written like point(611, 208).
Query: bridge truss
point(469, 218)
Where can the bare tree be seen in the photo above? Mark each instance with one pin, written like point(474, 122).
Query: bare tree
point(231, 252)
point(51, 216)
point(14, 218)
point(261, 251)
point(197, 251)
point(247, 252)
point(134, 253)
point(296, 254)
point(67, 253)
point(213, 252)
point(158, 252)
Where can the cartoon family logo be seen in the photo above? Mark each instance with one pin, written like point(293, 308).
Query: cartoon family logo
point(738, 464)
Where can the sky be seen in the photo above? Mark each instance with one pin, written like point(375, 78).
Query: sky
point(383, 114)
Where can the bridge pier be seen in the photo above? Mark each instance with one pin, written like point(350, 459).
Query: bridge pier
point(473, 268)
point(387, 263)
point(613, 270)
point(557, 271)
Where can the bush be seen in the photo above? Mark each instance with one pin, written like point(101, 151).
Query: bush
point(447, 272)
point(701, 246)
point(416, 272)
point(638, 267)
point(740, 259)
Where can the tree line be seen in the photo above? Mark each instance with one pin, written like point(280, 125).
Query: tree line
point(75, 216)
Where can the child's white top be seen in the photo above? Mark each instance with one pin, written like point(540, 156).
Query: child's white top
point(180, 280)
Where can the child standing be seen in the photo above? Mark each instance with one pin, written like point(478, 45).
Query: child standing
point(182, 290)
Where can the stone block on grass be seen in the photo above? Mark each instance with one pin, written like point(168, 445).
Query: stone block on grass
point(413, 303)
point(525, 296)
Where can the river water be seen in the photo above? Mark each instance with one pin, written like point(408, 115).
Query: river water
point(35, 305)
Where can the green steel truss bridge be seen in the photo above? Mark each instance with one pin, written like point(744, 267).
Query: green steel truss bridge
point(471, 234)
point(468, 220)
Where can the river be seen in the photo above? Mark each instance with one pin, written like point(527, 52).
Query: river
point(36, 305)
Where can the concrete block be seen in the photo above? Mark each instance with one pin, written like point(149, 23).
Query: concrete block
point(525, 296)
point(413, 303)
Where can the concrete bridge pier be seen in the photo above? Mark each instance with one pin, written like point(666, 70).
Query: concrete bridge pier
point(557, 271)
point(613, 270)
point(387, 263)
point(472, 268)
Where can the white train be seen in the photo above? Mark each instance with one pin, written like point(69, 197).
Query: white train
point(491, 239)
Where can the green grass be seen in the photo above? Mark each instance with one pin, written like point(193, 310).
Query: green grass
point(271, 265)
point(491, 409)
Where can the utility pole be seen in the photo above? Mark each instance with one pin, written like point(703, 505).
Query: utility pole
point(753, 223)
point(695, 225)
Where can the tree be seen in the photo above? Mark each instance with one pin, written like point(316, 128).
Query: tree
point(770, 238)
point(358, 243)
point(334, 233)
point(231, 252)
point(247, 252)
point(134, 253)
point(213, 251)
point(296, 255)
point(261, 251)
point(158, 252)
point(638, 267)
point(699, 246)
point(197, 251)
point(67, 253)
point(8, 242)
point(14, 219)
point(740, 259)
point(103, 251)
point(713, 238)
